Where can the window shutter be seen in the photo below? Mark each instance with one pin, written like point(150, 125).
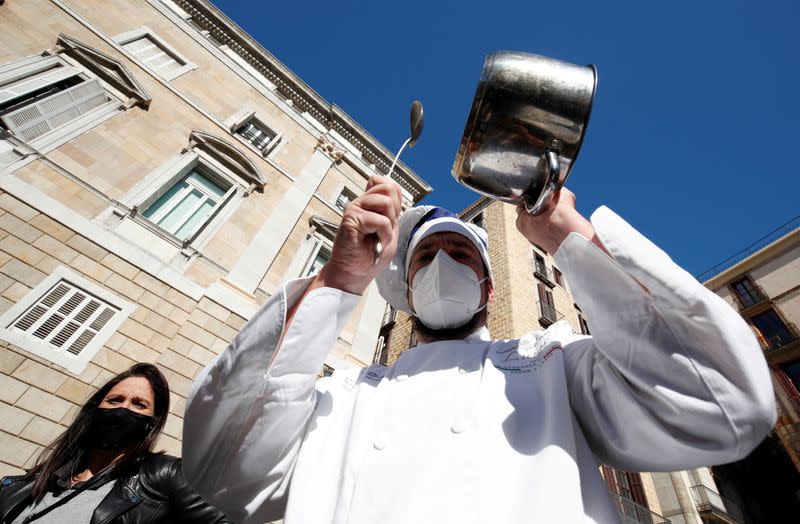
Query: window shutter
point(637, 489)
point(28, 85)
point(67, 318)
point(34, 120)
point(609, 478)
point(149, 52)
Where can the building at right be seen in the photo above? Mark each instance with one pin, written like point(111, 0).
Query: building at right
point(763, 283)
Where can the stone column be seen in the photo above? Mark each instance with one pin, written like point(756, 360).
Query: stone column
point(265, 245)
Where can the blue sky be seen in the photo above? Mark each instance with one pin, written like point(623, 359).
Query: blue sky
point(693, 134)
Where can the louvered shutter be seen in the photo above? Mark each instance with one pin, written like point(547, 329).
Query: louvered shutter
point(34, 120)
point(28, 85)
point(147, 50)
point(67, 318)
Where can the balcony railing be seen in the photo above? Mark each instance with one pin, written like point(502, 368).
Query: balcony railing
point(709, 502)
point(548, 314)
point(780, 338)
point(633, 513)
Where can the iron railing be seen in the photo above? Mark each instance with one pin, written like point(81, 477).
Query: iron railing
point(548, 314)
point(709, 501)
point(780, 338)
point(632, 513)
point(759, 244)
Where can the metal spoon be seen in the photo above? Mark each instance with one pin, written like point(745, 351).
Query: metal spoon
point(417, 122)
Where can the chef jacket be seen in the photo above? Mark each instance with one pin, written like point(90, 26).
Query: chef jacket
point(480, 430)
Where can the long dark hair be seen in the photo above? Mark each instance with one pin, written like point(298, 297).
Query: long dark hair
point(75, 443)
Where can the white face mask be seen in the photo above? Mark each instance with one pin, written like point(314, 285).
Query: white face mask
point(445, 293)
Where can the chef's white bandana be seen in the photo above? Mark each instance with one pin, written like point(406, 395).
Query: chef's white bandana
point(416, 224)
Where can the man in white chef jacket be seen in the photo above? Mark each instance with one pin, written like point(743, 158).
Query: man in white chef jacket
point(462, 428)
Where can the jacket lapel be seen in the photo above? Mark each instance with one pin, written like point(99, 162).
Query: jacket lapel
point(120, 499)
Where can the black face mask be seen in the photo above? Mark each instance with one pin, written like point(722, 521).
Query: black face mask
point(118, 428)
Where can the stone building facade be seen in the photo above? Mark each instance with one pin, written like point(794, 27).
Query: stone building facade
point(161, 174)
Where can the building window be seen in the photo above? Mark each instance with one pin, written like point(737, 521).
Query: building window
point(547, 308)
point(189, 204)
point(40, 95)
point(345, 197)
point(559, 278)
point(154, 53)
point(188, 199)
point(479, 221)
point(775, 333)
point(746, 292)
point(257, 134)
point(540, 270)
point(65, 319)
point(321, 257)
point(254, 132)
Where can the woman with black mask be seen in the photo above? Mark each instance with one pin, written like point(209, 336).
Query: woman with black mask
point(102, 468)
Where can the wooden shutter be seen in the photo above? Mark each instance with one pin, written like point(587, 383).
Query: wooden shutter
point(67, 318)
point(34, 120)
point(545, 295)
point(28, 85)
point(637, 490)
point(153, 55)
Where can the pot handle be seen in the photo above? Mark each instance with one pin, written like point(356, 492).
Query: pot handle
point(550, 185)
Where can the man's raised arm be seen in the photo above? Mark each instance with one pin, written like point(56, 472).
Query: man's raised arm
point(248, 409)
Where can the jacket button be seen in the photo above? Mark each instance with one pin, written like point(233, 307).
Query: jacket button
point(379, 444)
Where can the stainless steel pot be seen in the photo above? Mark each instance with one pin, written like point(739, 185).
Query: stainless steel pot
point(525, 127)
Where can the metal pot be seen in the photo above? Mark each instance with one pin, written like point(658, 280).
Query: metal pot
point(525, 127)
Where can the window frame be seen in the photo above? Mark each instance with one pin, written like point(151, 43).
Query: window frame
point(201, 169)
point(28, 342)
point(344, 191)
point(145, 32)
point(559, 277)
point(321, 243)
point(144, 194)
point(29, 67)
point(236, 122)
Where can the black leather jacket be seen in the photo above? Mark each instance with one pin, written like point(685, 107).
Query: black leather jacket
point(152, 491)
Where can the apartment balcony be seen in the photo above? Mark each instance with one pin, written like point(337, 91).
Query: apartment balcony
point(749, 300)
point(540, 271)
point(548, 314)
point(632, 513)
point(780, 339)
point(712, 507)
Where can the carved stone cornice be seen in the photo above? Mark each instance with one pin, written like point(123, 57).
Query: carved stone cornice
point(106, 67)
point(223, 29)
point(229, 155)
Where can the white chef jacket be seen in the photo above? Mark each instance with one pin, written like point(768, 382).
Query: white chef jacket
point(479, 430)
